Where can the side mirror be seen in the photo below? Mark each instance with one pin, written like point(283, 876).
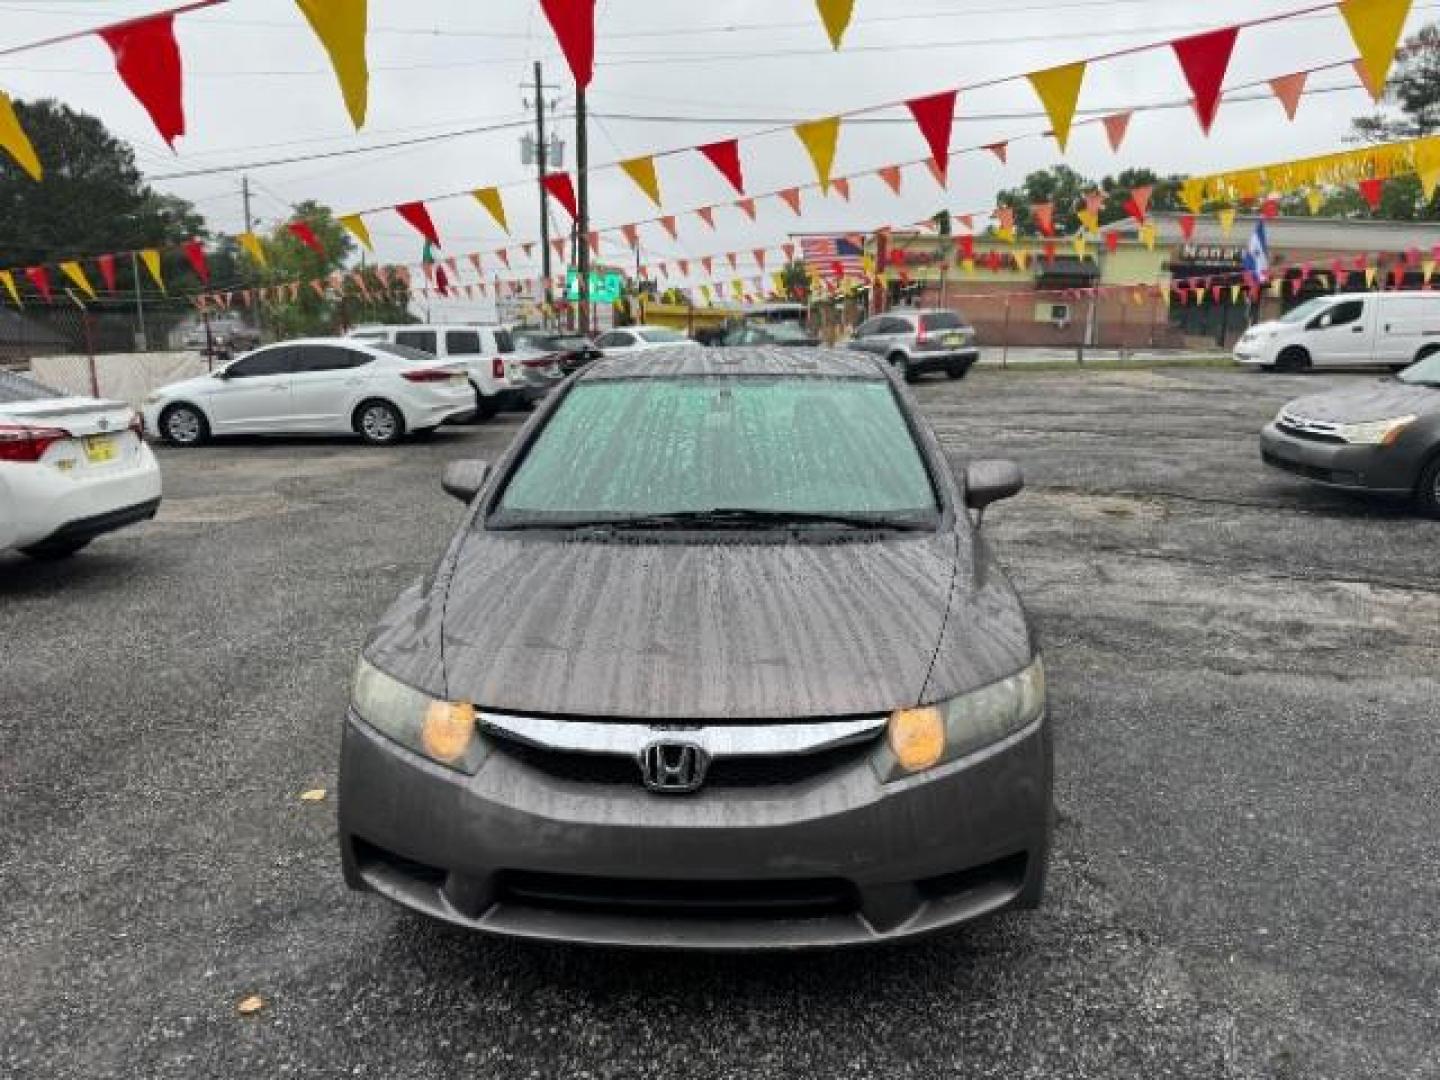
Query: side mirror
point(223, 374)
point(989, 482)
point(464, 479)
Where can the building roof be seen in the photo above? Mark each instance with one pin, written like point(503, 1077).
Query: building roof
point(1301, 233)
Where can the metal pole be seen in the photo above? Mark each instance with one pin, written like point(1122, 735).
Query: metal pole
point(139, 304)
point(542, 160)
point(582, 222)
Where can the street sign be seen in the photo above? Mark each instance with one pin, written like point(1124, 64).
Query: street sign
point(605, 286)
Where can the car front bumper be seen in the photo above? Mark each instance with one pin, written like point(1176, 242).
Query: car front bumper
point(838, 859)
point(1381, 469)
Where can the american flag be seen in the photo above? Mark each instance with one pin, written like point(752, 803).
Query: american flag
point(837, 256)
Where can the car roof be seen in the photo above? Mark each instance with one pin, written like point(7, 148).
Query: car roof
point(736, 360)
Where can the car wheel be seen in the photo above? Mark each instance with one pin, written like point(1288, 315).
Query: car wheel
point(956, 372)
point(1293, 359)
point(379, 423)
point(184, 425)
point(901, 363)
point(54, 549)
point(486, 408)
point(1427, 491)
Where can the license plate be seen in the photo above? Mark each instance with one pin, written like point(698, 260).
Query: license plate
point(954, 339)
point(100, 449)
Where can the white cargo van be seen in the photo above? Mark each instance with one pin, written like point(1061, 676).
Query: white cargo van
point(1381, 329)
point(488, 353)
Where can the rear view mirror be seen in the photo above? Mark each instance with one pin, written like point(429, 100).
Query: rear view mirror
point(464, 479)
point(989, 482)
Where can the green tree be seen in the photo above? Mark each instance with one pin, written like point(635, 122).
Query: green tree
point(92, 201)
point(795, 276)
point(1413, 89)
point(1066, 190)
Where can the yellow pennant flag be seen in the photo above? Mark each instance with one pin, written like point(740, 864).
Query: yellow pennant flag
point(355, 225)
point(820, 137)
point(1277, 287)
point(1428, 267)
point(642, 171)
point(868, 263)
point(340, 26)
point(1227, 221)
point(1007, 234)
point(14, 139)
point(1192, 194)
point(778, 280)
point(969, 266)
point(1370, 274)
point(1165, 297)
point(490, 199)
point(1376, 25)
point(707, 293)
point(1022, 257)
point(8, 279)
point(151, 258)
point(1059, 90)
point(1147, 235)
point(253, 247)
point(835, 14)
point(1234, 294)
point(1428, 180)
point(1315, 199)
point(76, 273)
point(1079, 244)
point(1090, 219)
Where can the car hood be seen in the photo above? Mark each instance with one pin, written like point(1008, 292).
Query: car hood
point(1379, 400)
point(696, 631)
point(1274, 326)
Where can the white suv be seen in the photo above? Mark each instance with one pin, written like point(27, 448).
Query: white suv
point(71, 468)
point(488, 353)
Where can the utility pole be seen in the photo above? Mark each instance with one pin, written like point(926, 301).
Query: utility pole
point(139, 304)
point(542, 158)
point(582, 223)
point(245, 201)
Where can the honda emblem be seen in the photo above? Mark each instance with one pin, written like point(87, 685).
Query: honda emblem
point(673, 768)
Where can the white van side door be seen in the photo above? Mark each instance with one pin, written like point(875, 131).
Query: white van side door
point(1408, 323)
point(1343, 333)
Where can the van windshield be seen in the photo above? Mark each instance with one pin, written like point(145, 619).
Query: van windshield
point(1306, 310)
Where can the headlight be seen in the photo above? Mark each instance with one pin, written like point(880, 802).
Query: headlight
point(443, 731)
point(922, 738)
point(1375, 432)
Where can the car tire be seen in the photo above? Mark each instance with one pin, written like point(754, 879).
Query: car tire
point(956, 371)
point(901, 363)
point(1427, 489)
point(486, 408)
point(54, 550)
point(379, 423)
point(184, 425)
point(1293, 359)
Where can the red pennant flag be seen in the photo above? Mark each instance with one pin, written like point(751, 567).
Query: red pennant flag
point(1001, 150)
point(841, 186)
point(1112, 242)
point(559, 187)
point(306, 235)
point(992, 261)
point(503, 255)
point(789, 250)
point(1138, 205)
point(965, 245)
point(1361, 262)
point(148, 62)
point(40, 278)
point(746, 207)
point(1371, 189)
point(935, 116)
point(195, 252)
point(1270, 208)
point(1115, 128)
point(707, 215)
point(1397, 275)
point(1044, 214)
point(1050, 252)
point(668, 224)
point(1289, 89)
point(442, 280)
point(631, 234)
point(418, 218)
point(891, 175)
point(725, 156)
point(107, 271)
point(574, 24)
point(1204, 59)
point(837, 269)
point(1187, 226)
point(708, 262)
point(594, 239)
point(791, 198)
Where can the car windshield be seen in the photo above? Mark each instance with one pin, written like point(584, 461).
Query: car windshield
point(942, 320)
point(1306, 310)
point(618, 450)
point(787, 331)
point(661, 336)
point(1424, 373)
point(404, 352)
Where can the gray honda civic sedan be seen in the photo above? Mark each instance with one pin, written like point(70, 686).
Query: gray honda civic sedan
point(718, 658)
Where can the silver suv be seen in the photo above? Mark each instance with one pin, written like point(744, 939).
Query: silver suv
point(920, 341)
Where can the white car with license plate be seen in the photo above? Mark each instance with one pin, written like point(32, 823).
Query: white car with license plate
point(628, 340)
point(315, 386)
point(71, 469)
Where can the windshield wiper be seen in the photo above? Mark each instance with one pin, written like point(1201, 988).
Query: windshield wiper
point(740, 517)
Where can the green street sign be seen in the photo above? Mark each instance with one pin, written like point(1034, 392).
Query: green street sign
point(605, 286)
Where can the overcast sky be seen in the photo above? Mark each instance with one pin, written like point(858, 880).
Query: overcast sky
point(258, 86)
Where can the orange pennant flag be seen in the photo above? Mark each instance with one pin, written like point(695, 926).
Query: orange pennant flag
point(341, 25)
point(820, 138)
point(791, 198)
point(746, 207)
point(1116, 126)
point(642, 171)
point(891, 175)
point(631, 234)
point(1289, 89)
point(14, 140)
point(1059, 91)
point(668, 224)
point(490, 199)
point(1376, 26)
point(835, 14)
point(707, 215)
point(842, 187)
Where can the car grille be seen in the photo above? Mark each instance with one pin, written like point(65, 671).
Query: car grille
point(725, 772)
point(1300, 427)
point(799, 898)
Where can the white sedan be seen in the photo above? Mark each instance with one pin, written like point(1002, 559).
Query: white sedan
point(634, 339)
point(71, 468)
point(379, 391)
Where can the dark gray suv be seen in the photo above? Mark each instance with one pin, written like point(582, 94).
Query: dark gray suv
point(916, 342)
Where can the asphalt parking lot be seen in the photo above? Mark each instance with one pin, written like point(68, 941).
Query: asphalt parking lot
point(1246, 883)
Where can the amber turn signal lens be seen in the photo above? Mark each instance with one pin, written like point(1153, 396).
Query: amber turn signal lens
point(448, 730)
point(917, 736)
